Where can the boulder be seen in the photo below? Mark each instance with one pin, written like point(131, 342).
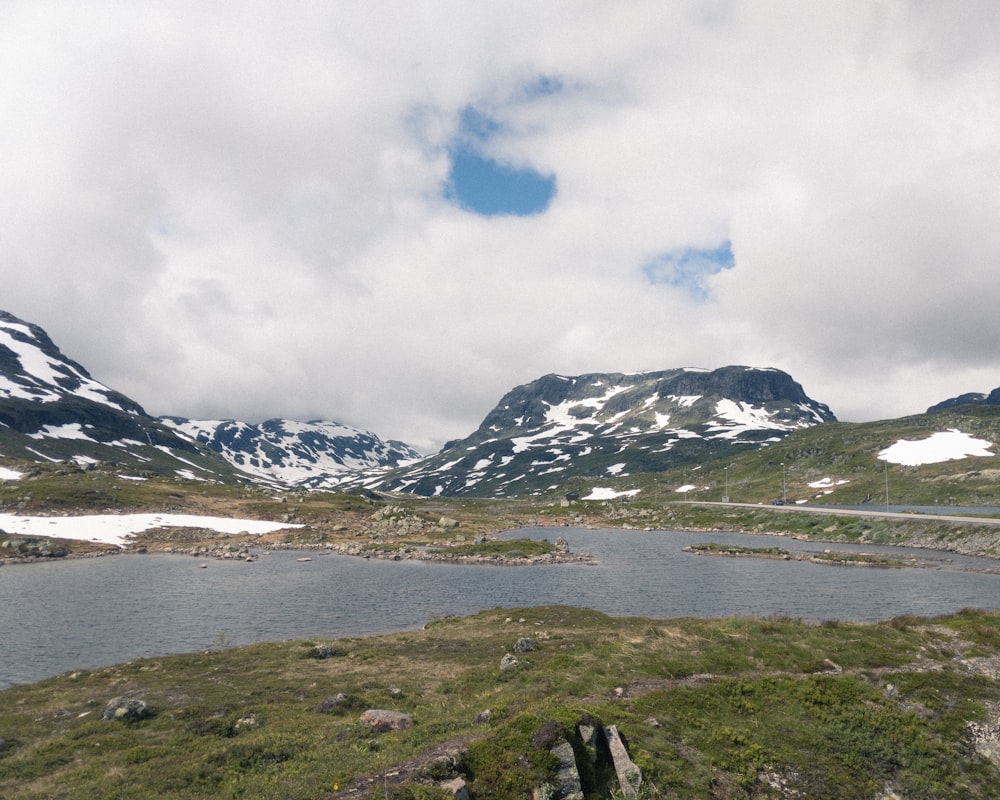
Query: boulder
point(589, 737)
point(127, 709)
point(336, 701)
point(629, 775)
point(525, 645)
point(382, 720)
point(567, 774)
point(457, 788)
point(508, 661)
point(323, 651)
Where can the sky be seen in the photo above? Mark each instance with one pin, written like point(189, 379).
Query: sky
point(389, 214)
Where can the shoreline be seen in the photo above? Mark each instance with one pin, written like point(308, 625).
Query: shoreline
point(221, 546)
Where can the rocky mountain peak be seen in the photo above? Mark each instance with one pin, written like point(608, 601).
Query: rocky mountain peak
point(612, 424)
point(32, 368)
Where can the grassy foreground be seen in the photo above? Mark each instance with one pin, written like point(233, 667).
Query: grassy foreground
point(729, 708)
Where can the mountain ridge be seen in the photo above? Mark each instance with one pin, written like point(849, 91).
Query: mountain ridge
point(611, 423)
point(52, 409)
point(541, 437)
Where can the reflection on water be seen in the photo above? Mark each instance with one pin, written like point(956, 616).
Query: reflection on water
point(92, 612)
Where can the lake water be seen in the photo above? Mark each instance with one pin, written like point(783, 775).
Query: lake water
point(85, 613)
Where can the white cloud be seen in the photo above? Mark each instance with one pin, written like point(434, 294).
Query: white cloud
point(234, 209)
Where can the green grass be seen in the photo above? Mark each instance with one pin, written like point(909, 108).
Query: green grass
point(710, 708)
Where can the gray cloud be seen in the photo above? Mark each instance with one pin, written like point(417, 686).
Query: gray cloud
point(236, 209)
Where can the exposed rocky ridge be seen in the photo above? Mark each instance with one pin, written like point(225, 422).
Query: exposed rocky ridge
point(968, 399)
point(611, 424)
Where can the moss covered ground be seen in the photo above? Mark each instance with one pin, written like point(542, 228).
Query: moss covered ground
point(726, 708)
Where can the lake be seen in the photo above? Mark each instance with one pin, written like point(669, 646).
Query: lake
point(84, 613)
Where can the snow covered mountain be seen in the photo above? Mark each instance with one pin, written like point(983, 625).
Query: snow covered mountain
point(539, 437)
point(309, 455)
point(51, 409)
point(32, 368)
point(546, 432)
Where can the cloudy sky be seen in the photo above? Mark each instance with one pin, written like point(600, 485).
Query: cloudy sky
point(390, 213)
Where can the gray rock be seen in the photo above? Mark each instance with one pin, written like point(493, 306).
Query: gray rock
point(483, 717)
point(382, 720)
point(447, 522)
point(322, 651)
point(127, 709)
point(629, 775)
point(331, 703)
point(589, 736)
point(567, 775)
point(525, 645)
point(457, 788)
point(508, 661)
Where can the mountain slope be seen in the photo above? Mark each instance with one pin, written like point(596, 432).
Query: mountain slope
point(968, 399)
point(557, 427)
point(308, 455)
point(51, 409)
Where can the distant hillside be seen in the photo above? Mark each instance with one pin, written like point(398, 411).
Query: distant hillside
point(556, 428)
point(968, 399)
point(307, 455)
point(52, 410)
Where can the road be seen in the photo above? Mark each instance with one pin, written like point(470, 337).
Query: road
point(845, 512)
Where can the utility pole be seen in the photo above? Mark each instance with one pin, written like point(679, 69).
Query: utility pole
point(725, 497)
point(886, 485)
point(784, 490)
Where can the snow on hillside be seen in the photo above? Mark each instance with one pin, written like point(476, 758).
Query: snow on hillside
point(605, 493)
point(950, 445)
point(43, 378)
point(119, 529)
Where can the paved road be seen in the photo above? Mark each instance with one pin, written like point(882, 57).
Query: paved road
point(846, 512)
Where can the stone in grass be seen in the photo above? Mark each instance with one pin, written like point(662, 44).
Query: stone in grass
point(382, 720)
point(508, 661)
point(323, 651)
point(525, 645)
point(127, 709)
point(338, 700)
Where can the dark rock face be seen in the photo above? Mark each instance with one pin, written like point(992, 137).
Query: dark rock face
point(968, 399)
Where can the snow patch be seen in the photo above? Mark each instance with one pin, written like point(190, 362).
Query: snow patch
point(71, 430)
point(7, 474)
point(824, 483)
point(119, 529)
point(950, 445)
point(606, 493)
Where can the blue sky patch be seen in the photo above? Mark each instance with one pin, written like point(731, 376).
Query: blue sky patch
point(687, 269)
point(488, 187)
